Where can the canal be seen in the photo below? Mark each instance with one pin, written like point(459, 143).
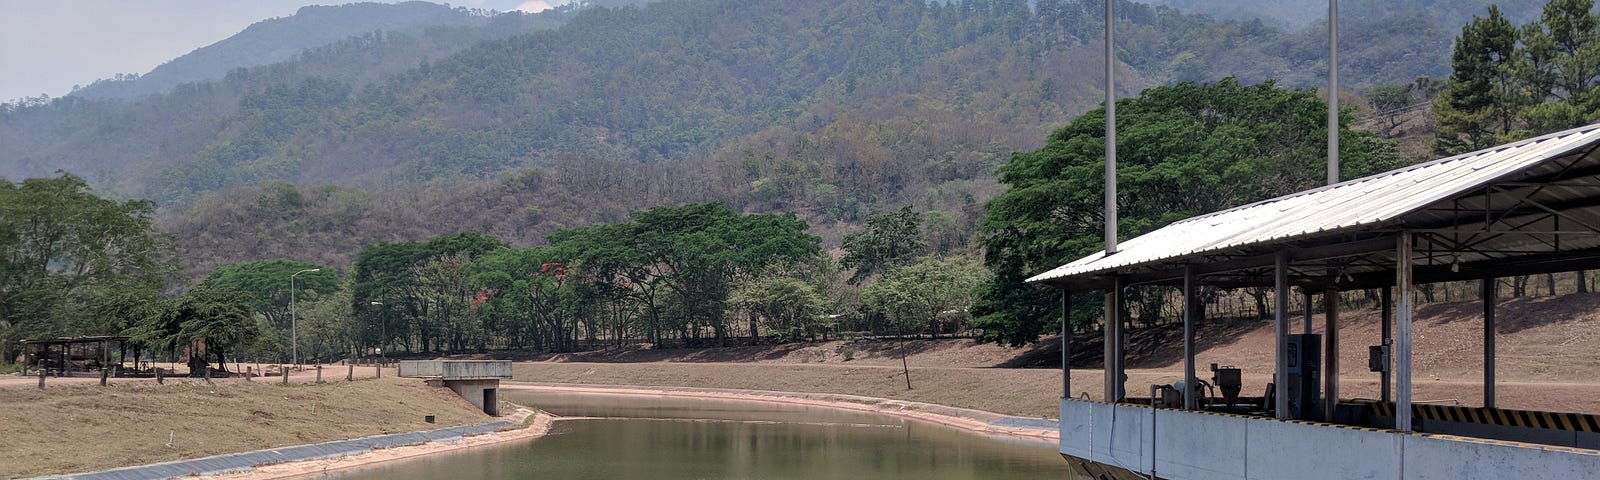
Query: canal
point(625, 437)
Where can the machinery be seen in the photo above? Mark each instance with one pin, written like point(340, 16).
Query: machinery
point(1228, 379)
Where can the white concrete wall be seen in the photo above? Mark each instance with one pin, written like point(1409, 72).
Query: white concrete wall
point(456, 369)
point(1196, 446)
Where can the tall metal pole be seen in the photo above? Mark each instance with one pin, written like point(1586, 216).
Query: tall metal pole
point(1333, 92)
point(1281, 327)
point(1402, 337)
point(1066, 343)
point(1114, 348)
point(294, 321)
point(1111, 135)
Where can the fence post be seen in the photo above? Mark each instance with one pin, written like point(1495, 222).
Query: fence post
point(41, 374)
point(351, 375)
point(319, 373)
point(378, 368)
point(159, 380)
point(104, 372)
point(206, 370)
point(285, 374)
point(249, 372)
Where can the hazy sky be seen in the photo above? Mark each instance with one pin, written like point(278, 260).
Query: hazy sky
point(47, 46)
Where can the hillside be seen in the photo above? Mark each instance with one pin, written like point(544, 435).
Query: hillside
point(281, 39)
point(834, 109)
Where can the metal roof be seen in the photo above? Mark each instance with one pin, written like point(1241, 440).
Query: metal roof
point(1455, 193)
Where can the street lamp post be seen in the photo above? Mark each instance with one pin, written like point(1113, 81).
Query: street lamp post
point(294, 321)
point(383, 333)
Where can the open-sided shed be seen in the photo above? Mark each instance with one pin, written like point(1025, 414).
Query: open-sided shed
point(1523, 208)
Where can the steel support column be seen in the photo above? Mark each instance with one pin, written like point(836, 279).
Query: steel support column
point(1305, 298)
point(1387, 342)
point(1066, 343)
point(1402, 337)
point(1490, 298)
point(1115, 376)
point(1330, 371)
point(1191, 316)
point(1281, 325)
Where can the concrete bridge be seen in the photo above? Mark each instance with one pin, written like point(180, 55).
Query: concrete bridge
point(477, 381)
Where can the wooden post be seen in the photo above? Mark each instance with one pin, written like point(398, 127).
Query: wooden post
point(104, 372)
point(285, 374)
point(41, 374)
point(351, 375)
point(249, 372)
point(159, 380)
point(377, 368)
point(206, 371)
point(319, 373)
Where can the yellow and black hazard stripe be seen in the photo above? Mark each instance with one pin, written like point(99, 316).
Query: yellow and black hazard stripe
point(1577, 422)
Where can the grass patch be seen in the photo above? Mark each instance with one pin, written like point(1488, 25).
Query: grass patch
point(1026, 392)
point(78, 428)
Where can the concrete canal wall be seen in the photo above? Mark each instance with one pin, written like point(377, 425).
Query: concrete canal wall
point(1203, 446)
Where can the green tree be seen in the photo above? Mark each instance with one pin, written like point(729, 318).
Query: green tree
point(887, 240)
point(267, 282)
point(791, 309)
point(1559, 65)
point(930, 294)
point(66, 253)
point(217, 320)
point(1478, 108)
point(1185, 149)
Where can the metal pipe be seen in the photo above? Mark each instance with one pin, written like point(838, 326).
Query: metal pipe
point(1066, 343)
point(1333, 92)
point(1490, 299)
point(1281, 326)
point(1403, 312)
point(1111, 135)
point(1191, 315)
point(1330, 309)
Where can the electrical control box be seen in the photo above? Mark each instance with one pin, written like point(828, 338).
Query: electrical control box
point(1305, 376)
point(1378, 358)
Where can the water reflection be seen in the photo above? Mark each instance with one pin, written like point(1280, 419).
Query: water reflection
point(624, 437)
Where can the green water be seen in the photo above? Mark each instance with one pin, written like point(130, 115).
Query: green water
point(633, 437)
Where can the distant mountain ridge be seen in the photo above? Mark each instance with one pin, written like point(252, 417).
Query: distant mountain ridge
point(283, 38)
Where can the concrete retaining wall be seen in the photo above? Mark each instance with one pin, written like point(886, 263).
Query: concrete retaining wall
point(1198, 446)
point(474, 391)
point(456, 369)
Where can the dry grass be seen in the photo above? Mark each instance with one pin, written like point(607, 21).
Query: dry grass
point(77, 428)
point(1030, 392)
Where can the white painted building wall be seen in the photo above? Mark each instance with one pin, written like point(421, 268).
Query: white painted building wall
point(1201, 446)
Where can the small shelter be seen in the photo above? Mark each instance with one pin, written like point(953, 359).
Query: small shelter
point(63, 356)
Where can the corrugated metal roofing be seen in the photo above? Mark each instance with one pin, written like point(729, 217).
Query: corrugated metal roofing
point(1355, 204)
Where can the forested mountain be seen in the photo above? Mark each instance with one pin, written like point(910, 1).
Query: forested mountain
point(1296, 14)
point(833, 108)
point(280, 39)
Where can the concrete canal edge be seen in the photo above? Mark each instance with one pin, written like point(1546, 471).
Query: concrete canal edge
point(246, 461)
point(972, 420)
